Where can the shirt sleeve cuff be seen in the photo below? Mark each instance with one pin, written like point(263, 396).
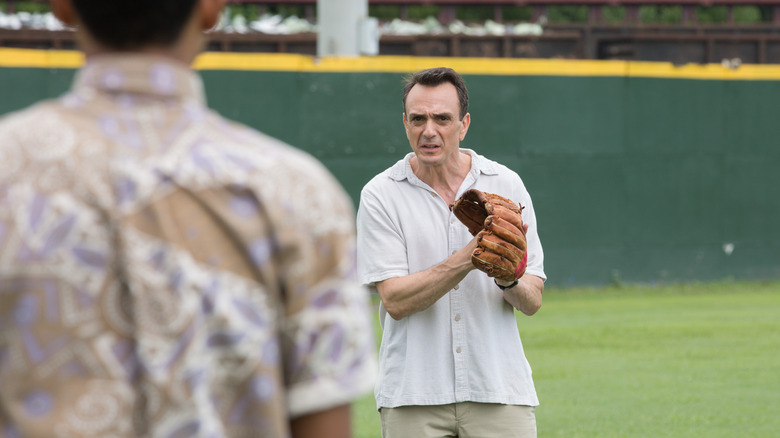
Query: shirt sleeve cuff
point(325, 393)
point(537, 273)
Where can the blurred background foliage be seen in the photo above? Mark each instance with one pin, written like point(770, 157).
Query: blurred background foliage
point(562, 14)
point(31, 7)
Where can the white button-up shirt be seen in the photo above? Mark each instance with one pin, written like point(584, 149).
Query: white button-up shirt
point(466, 346)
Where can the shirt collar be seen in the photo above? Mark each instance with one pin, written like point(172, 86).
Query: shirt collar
point(139, 74)
point(479, 164)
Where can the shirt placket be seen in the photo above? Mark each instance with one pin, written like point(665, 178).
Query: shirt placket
point(459, 345)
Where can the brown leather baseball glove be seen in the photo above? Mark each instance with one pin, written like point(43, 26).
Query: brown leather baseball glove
point(497, 221)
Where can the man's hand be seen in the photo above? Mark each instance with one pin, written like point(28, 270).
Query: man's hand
point(332, 423)
point(498, 224)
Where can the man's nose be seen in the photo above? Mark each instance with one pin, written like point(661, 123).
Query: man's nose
point(429, 130)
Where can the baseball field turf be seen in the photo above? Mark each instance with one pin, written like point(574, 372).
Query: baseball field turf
point(699, 360)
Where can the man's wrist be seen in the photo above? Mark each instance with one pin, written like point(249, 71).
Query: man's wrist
point(505, 286)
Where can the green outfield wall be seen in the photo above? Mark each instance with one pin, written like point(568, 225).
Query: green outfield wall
point(639, 172)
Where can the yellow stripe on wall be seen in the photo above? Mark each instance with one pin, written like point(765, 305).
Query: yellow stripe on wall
point(31, 58)
point(403, 64)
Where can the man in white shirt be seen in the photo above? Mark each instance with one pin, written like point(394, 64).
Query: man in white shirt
point(451, 359)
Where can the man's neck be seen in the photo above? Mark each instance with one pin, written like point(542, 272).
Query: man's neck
point(184, 50)
point(445, 179)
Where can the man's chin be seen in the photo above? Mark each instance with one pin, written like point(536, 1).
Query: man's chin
point(429, 161)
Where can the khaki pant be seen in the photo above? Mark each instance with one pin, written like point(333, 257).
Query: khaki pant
point(462, 420)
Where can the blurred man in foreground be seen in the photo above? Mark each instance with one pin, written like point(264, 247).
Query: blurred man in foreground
point(163, 271)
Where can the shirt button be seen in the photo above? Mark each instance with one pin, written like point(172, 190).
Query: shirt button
point(433, 194)
point(452, 221)
point(457, 350)
point(456, 287)
point(457, 317)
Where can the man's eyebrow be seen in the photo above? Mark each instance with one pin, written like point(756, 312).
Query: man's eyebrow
point(444, 114)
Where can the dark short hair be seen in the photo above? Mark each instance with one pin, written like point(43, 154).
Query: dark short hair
point(132, 24)
point(436, 76)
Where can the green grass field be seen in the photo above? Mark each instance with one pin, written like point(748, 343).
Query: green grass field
point(697, 360)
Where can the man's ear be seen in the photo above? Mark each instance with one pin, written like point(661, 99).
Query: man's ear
point(63, 10)
point(209, 12)
point(464, 126)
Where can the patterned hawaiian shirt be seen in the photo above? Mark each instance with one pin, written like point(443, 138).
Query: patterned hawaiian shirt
point(166, 272)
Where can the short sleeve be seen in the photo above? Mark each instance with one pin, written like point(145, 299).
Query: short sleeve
point(535, 251)
point(380, 244)
point(327, 331)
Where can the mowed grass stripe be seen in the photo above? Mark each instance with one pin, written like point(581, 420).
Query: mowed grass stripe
point(677, 361)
